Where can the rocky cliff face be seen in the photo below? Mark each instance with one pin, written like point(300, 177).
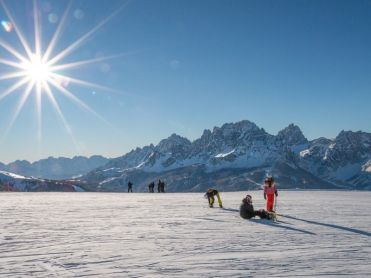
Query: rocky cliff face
point(343, 160)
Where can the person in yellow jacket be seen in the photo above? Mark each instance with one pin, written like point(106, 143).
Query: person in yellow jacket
point(210, 193)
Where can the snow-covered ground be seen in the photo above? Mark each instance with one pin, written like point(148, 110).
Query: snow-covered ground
point(325, 234)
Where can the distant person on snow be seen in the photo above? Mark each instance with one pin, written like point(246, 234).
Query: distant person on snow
point(151, 187)
point(130, 186)
point(159, 186)
point(270, 192)
point(210, 193)
point(162, 187)
point(247, 210)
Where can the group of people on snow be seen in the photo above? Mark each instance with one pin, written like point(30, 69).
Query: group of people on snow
point(246, 208)
point(151, 186)
point(160, 187)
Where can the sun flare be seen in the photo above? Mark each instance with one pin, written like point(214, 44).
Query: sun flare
point(37, 70)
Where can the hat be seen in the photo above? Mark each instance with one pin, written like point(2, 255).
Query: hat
point(269, 180)
point(248, 199)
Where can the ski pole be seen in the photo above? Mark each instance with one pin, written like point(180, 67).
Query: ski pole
point(275, 203)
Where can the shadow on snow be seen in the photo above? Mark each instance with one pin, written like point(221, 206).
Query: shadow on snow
point(279, 225)
point(230, 209)
point(329, 225)
point(273, 223)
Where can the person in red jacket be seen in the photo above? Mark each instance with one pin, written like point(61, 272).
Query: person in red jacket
point(270, 192)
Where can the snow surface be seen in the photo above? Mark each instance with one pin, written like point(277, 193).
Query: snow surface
point(304, 153)
point(108, 180)
point(224, 154)
point(367, 166)
point(323, 234)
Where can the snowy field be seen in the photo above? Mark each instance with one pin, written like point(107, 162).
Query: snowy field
point(323, 234)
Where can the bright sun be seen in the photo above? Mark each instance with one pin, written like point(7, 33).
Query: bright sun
point(36, 69)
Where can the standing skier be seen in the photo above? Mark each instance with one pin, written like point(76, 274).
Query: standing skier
point(162, 187)
point(270, 191)
point(210, 193)
point(159, 183)
point(130, 187)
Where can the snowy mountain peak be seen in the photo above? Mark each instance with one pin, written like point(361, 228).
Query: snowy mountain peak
point(240, 127)
point(350, 138)
point(206, 133)
point(238, 134)
point(291, 136)
point(173, 143)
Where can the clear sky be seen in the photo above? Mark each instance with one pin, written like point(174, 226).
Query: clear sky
point(188, 65)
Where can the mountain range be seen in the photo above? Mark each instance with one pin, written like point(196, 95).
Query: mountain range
point(235, 156)
point(55, 168)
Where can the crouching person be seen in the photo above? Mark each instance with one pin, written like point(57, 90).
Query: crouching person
point(210, 193)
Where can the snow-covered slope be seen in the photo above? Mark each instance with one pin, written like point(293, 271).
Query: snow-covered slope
point(323, 234)
point(13, 182)
point(238, 155)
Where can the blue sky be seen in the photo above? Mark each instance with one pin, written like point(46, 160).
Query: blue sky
point(192, 65)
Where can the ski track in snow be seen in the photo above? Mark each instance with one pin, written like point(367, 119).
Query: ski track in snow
point(322, 234)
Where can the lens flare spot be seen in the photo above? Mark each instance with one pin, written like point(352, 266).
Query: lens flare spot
point(78, 14)
point(105, 68)
point(53, 18)
point(7, 25)
point(174, 64)
point(62, 81)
